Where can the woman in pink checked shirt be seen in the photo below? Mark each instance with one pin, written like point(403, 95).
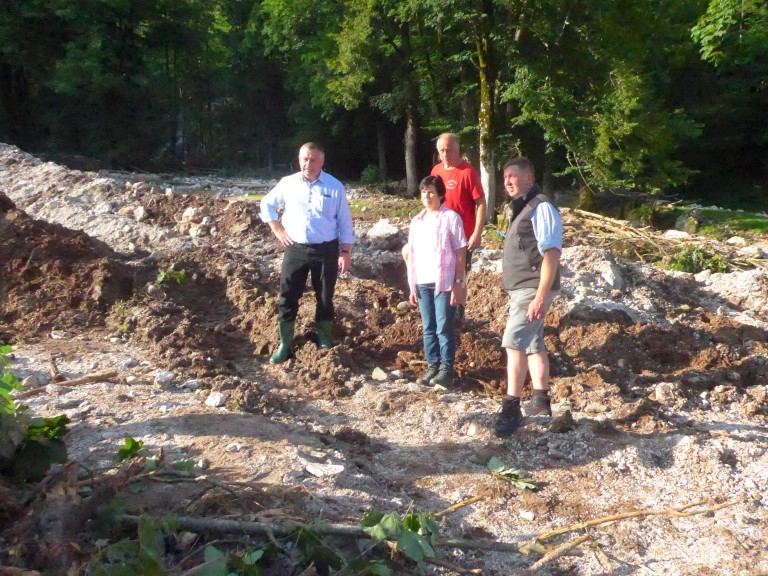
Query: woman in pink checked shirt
point(436, 257)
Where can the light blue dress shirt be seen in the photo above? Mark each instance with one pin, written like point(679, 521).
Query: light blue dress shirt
point(312, 212)
point(547, 227)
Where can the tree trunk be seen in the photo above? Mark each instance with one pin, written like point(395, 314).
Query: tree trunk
point(487, 97)
point(381, 144)
point(411, 169)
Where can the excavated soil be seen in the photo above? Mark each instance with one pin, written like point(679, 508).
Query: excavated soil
point(659, 386)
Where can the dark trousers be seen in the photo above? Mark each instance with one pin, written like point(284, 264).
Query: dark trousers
point(321, 261)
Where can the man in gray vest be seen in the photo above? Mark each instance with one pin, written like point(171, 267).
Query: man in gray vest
point(531, 274)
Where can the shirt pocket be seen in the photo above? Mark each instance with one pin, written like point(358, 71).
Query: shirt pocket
point(327, 205)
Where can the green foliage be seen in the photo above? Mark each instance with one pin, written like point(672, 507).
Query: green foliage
point(130, 448)
point(171, 274)
point(413, 533)
point(131, 557)
point(28, 446)
point(370, 175)
point(694, 259)
point(314, 549)
point(653, 214)
point(516, 477)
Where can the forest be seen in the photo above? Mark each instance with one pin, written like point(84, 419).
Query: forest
point(618, 96)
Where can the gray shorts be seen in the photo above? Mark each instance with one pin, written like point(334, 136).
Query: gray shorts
point(520, 333)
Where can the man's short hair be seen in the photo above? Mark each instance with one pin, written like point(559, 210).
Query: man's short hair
point(449, 136)
point(522, 163)
point(313, 146)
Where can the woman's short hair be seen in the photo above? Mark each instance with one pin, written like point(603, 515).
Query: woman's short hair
point(438, 184)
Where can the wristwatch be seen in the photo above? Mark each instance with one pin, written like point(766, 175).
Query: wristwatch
point(459, 281)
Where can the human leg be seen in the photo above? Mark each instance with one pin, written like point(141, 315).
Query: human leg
point(426, 299)
point(293, 277)
point(446, 336)
point(324, 273)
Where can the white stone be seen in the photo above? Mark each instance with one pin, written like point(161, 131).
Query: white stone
point(60, 335)
point(736, 241)
point(31, 381)
point(379, 375)
point(164, 378)
point(323, 470)
point(191, 214)
point(234, 447)
point(676, 234)
point(140, 214)
point(192, 384)
point(216, 400)
point(527, 515)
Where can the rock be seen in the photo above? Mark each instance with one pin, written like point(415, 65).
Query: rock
point(56, 390)
point(60, 335)
point(198, 231)
point(234, 447)
point(736, 241)
point(135, 381)
point(379, 375)
point(192, 214)
point(192, 384)
point(667, 393)
point(164, 379)
point(154, 291)
point(323, 470)
point(527, 515)
point(563, 423)
point(203, 464)
point(216, 400)
point(140, 214)
point(472, 429)
point(31, 381)
point(127, 363)
point(386, 236)
point(105, 208)
point(676, 234)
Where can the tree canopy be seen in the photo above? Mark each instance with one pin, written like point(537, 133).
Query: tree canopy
point(649, 95)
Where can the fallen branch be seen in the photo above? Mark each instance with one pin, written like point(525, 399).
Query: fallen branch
point(223, 526)
point(106, 376)
point(681, 511)
point(553, 555)
point(458, 505)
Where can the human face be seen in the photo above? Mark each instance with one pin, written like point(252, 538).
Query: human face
point(517, 182)
point(449, 152)
point(311, 163)
point(430, 198)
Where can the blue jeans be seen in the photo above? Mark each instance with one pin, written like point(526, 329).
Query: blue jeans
point(437, 317)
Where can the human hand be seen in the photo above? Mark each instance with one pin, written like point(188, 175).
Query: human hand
point(536, 309)
point(281, 234)
point(345, 261)
point(458, 294)
point(413, 300)
point(474, 241)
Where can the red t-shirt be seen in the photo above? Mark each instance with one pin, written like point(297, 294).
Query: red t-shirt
point(462, 188)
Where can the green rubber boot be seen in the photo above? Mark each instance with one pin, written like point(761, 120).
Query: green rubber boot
point(324, 334)
point(286, 329)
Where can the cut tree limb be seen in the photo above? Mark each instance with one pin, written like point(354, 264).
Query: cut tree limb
point(106, 376)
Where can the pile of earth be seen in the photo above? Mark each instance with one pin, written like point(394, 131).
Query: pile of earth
point(120, 268)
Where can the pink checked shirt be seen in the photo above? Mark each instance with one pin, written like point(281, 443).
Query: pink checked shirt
point(422, 245)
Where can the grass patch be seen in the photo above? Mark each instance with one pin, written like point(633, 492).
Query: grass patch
point(724, 223)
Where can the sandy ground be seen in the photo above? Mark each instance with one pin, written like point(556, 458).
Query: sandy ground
point(659, 384)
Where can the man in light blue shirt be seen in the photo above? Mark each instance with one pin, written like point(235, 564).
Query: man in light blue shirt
point(531, 276)
point(309, 214)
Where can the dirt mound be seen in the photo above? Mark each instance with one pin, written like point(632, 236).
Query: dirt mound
point(54, 278)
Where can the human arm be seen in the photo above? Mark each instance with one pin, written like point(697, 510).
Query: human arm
point(549, 266)
point(481, 209)
point(459, 290)
point(268, 209)
point(346, 236)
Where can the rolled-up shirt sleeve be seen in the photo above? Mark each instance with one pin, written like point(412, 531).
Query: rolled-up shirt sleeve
point(547, 227)
point(271, 203)
point(344, 221)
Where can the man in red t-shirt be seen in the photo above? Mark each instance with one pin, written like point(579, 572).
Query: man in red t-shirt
point(464, 190)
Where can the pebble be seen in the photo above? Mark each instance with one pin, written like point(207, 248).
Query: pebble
point(323, 470)
point(164, 378)
point(234, 447)
point(127, 363)
point(379, 375)
point(216, 400)
point(31, 381)
point(56, 390)
point(60, 335)
point(203, 464)
point(527, 515)
point(192, 384)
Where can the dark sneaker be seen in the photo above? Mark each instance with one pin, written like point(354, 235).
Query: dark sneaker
point(432, 371)
point(445, 377)
point(509, 418)
point(540, 406)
